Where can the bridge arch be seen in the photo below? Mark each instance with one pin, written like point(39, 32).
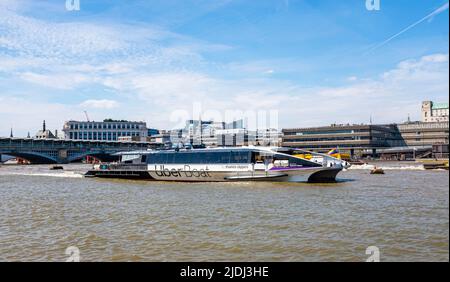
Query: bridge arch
point(102, 156)
point(50, 151)
point(32, 157)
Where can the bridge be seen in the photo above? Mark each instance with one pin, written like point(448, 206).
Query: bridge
point(59, 151)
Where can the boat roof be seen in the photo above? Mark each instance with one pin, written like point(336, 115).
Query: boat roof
point(269, 150)
point(218, 149)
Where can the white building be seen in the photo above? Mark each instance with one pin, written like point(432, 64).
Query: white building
point(219, 134)
point(434, 112)
point(107, 130)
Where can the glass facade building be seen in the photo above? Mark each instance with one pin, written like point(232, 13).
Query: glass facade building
point(343, 136)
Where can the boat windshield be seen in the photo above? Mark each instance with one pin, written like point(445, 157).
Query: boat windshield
point(281, 160)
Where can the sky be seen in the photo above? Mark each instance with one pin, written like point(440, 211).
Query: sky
point(314, 62)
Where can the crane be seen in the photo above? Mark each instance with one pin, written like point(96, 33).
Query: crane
point(87, 117)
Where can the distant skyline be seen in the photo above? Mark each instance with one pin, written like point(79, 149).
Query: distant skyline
point(317, 62)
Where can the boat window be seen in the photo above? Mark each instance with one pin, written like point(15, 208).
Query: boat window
point(284, 161)
point(159, 158)
point(200, 157)
point(181, 158)
point(240, 157)
point(126, 158)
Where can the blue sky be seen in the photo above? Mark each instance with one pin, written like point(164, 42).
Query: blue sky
point(315, 62)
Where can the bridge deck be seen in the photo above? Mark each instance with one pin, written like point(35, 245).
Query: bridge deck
point(64, 151)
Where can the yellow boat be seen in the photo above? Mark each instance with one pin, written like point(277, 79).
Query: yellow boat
point(434, 164)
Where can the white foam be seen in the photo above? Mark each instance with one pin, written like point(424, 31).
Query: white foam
point(60, 175)
point(370, 167)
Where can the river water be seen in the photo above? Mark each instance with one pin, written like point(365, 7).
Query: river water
point(404, 213)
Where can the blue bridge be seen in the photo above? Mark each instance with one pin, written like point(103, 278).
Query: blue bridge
point(57, 151)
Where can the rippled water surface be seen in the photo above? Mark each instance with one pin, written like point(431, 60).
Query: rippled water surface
point(405, 213)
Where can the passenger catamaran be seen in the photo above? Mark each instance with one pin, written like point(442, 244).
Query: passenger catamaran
point(224, 164)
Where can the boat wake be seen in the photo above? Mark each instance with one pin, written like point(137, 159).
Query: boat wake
point(371, 167)
point(59, 175)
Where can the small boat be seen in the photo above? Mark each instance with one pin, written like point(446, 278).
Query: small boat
point(57, 167)
point(356, 162)
point(436, 165)
point(377, 170)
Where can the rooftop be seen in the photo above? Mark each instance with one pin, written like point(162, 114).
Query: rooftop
point(438, 106)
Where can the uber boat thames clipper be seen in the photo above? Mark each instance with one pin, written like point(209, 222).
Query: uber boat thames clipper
point(224, 164)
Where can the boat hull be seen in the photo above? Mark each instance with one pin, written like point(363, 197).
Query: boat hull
point(315, 175)
point(312, 175)
point(119, 174)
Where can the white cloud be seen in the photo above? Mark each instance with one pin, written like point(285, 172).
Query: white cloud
point(65, 55)
point(25, 115)
point(389, 97)
point(155, 77)
point(56, 81)
point(100, 104)
point(31, 37)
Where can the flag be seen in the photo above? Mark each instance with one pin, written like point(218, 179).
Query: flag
point(335, 153)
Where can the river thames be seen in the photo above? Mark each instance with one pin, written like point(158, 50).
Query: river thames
point(404, 213)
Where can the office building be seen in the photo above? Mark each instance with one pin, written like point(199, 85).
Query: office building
point(348, 137)
point(424, 133)
point(107, 130)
